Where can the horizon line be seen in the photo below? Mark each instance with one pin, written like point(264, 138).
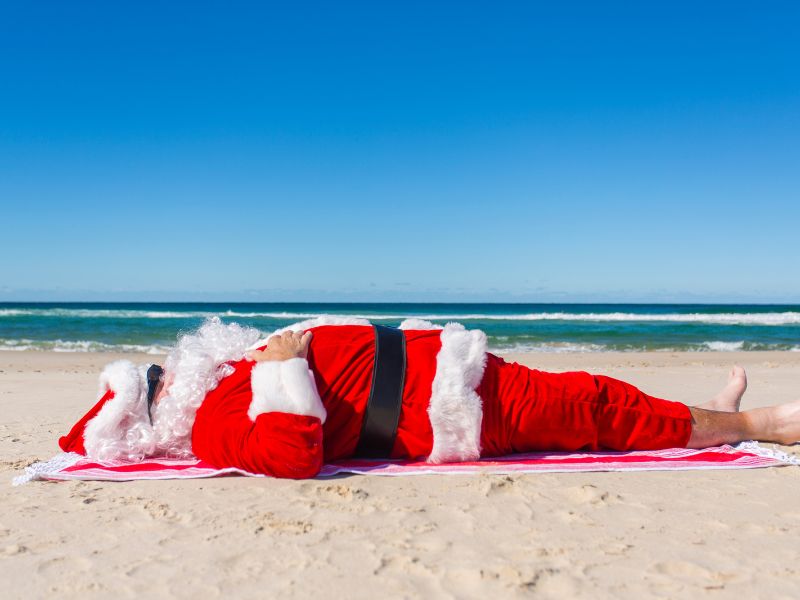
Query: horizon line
point(354, 302)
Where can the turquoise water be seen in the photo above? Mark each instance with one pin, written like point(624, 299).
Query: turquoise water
point(151, 327)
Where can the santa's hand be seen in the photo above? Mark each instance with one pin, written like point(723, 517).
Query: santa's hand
point(290, 344)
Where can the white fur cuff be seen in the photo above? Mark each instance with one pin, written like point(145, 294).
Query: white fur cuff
point(456, 409)
point(285, 386)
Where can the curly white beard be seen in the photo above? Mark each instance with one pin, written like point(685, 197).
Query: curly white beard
point(193, 368)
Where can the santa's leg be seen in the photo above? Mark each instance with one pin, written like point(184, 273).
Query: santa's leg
point(779, 424)
point(527, 410)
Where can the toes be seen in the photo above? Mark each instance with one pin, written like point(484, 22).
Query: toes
point(738, 372)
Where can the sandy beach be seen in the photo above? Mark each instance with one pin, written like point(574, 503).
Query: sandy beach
point(700, 534)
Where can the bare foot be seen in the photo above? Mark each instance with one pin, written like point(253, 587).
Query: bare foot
point(729, 399)
point(787, 423)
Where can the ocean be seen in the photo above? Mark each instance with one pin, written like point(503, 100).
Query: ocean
point(153, 327)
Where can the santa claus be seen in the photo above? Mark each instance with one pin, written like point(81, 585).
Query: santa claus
point(335, 387)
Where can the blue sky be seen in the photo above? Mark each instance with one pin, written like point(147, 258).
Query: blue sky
point(529, 151)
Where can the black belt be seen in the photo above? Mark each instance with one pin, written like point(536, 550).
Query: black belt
point(379, 429)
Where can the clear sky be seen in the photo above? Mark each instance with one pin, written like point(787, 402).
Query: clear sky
point(531, 151)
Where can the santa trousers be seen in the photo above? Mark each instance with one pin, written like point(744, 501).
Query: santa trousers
point(526, 410)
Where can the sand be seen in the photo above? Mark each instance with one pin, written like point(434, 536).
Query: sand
point(715, 534)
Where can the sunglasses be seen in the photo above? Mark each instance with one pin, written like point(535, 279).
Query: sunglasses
point(154, 376)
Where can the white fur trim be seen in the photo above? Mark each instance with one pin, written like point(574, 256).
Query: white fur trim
point(455, 409)
point(309, 323)
point(121, 429)
point(285, 386)
point(419, 324)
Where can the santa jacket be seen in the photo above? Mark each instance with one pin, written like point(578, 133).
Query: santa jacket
point(285, 418)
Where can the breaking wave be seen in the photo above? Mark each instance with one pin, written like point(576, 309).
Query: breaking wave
point(732, 318)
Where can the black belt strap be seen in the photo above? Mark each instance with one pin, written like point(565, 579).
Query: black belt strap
point(379, 428)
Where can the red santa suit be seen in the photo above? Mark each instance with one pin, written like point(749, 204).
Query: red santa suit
point(286, 418)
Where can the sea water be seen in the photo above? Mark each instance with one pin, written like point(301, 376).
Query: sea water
point(153, 327)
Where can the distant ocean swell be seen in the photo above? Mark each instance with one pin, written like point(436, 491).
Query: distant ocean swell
point(153, 327)
point(768, 318)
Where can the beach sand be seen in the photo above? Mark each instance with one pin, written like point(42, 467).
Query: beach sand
point(715, 534)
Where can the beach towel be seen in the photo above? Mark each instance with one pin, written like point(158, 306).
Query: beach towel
point(747, 455)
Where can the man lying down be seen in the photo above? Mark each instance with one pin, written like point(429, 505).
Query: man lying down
point(333, 387)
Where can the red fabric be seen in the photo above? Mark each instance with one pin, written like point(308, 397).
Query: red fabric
point(277, 444)
point(73, 441)
point(526, 410)
point(341, 358)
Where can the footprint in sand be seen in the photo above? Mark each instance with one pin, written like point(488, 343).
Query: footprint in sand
point(544, 582)
point(244, 567)
point(14, 549)
point(690, 572)
point(682, 569)
point(590, 494)
point(336, 492)
point(63, 566)
point(617, 548)
point(553, 583)
point(17, 465)
point(269, 523)
point(346, 492)
point(160, 511)
point(502, 485)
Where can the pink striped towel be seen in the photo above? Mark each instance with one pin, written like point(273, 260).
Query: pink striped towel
point(747, 455)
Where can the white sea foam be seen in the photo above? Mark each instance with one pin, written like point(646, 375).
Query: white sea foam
point(22, 345)
point(724, 346)
point(767, 318)
point(551, 347)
